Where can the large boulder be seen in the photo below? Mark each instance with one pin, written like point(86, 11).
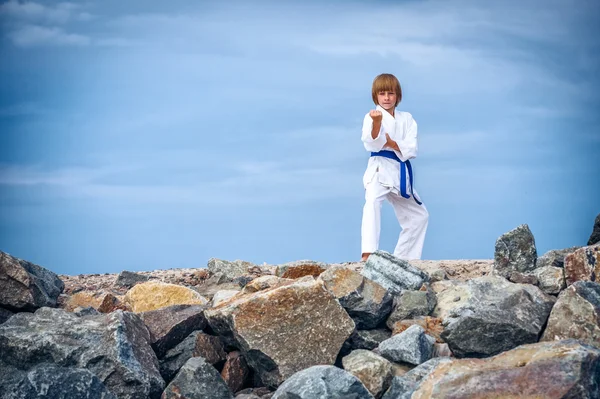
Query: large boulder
point(515, 251)
point(394, 274)
point(154, 295)
point(115, 347)
point(576, 314)
point(197, 379)
point(412, 304)
point(228, 270)
point(102, 301)
point(583, 265)
point(367, 302)
point(411, 346)
point(373, 370)
point(285, 329)
point(322, 382)
point(551, 279)
point(176, 357)
point(25, 286)
point(489, 315)
point(595, 236)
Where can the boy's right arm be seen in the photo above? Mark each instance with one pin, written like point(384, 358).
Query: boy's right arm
point(373, 136)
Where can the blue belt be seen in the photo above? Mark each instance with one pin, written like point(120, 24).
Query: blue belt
point(403, 167)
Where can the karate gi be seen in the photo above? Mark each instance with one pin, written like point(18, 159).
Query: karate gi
point(382, 181)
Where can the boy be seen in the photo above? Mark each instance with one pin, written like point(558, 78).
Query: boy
point(391, 137)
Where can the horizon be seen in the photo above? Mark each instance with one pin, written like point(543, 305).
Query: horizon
point(145, 136)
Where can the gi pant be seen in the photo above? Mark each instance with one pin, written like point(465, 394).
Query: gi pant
point(413, 219)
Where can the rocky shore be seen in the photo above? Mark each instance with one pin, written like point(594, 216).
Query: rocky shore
point(519, 325)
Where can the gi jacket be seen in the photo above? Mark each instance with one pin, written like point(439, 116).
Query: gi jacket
point(403, 129)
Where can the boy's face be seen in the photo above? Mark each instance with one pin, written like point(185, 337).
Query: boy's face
point(387, 99)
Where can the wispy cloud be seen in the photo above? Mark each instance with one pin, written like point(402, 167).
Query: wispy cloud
point(30, 11)
point(32, 35)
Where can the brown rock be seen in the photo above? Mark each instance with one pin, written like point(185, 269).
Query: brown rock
point(235, 372)
point(210, 348)
point(432, 326)
point(523, 278)
point(583, 265)
point(156, 295)
point(300, 268)
point(373, 370)
point(265, 282)
point(102, 301)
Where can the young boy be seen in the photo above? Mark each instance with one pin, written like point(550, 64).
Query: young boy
point(391, 137)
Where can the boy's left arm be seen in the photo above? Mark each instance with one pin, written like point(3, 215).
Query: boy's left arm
point(407, 147)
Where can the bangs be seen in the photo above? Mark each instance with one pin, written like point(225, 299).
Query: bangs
point(386, 82)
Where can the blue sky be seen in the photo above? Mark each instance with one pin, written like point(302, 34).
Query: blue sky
point(146, 135)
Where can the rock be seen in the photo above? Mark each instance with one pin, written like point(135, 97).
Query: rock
point(551, 279)
point(235, 372)
point(442, 350)
point(576, 314)
point(368, 339)
point(51, 382)
point(595, 236)
point(169, 326)
point(374, 371)
point(260, 392)
point(265, 282)
point(322, 382)
point(102, 301)
point(367, 302)
point(583, 265)
point(87, 311)
point(211, 349)
point(394, 274)
point(300, 268)
point(515, 251)
point(242, 280)
point(209, 289)
point(128, 279)
point(492, 316)
point(411, 304)
point(25, 286)
point(549, 370)
point(115, 347)
point(176, 357)
point(523, 278)
point(285, 329)
point(400, 388)
point(554, 257)
point(223, 295)
point(155, 295)
point(411, 346)
point(438, 275)
point(5, 315)
point(197, 379)
point(432, 326)
point(229, 270)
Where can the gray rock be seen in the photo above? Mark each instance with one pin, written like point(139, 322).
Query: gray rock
point(411, 304)
point(48, 381)
point(523, 278)
point(169, 326)
point(494, 315)
point(400, 388)
point(551, 279)
point(176, 357)
point(515, 251)
point(576, 315)
point(438, 275)
point(554, 257)
point(322, 382)
point(369, 339)
point(129, 279)
point(5, 315)
point(197, 379)
point(410, 346)
point(25, 286)
point(229, 270)
point(374, 371)
point(394, 274)
point(595, 236)
point(87, 311)
point(223, 295)
point(115, 347)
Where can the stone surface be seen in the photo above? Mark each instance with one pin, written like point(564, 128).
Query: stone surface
point(229, 270)
point(551, 279)
point(394, 274)
point(576, 314)
point(115, 347)
point(554, 257)
point(411, 346)
point(102, 301)
point(493, 315)
point(400, 388)
point(523, 278)
point(549, 370)
point(265, 282)
point(235, 372)
point(128, 279)
point(300, 268)
point(47, 381)
point(411, 304)
point(432, 326)
point(222, 296)
point(322, 382)
point(595, 236)
point(197, 379)
point(176, 357)
point(155, 295)
point(169, 326)
point(374, 371)
point(367, 302)
point(368, 339)
point(285, 329)
point(25, 286)
point(5, 315)
point(583, 265)
point(211, 349)
point(515, 251)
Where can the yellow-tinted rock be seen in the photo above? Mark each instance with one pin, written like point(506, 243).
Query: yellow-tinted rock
point(156, 295)
point(431, 325)
point(102, 301)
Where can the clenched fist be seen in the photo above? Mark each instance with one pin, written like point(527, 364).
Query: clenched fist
point(376, 116)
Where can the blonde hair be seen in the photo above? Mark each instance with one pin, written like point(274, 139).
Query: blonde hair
point(386, 82)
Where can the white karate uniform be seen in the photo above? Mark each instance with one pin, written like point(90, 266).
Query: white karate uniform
point(382, 181)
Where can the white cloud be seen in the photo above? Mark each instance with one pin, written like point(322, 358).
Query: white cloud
point(40, 13)
point(33, 35)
